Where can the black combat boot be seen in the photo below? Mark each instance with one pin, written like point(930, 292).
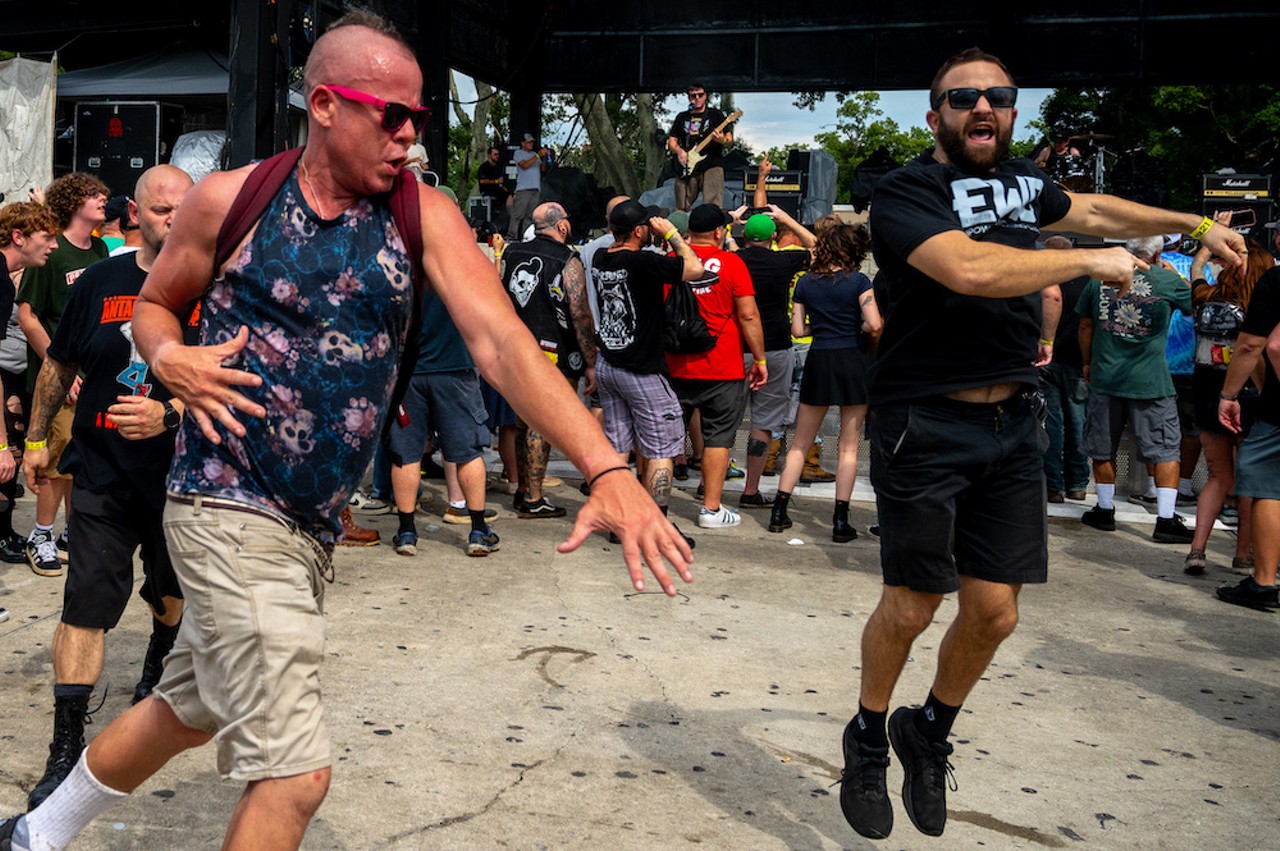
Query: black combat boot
point(153, 665)
point(778, 519)
point(841, 531)
point(69, 716)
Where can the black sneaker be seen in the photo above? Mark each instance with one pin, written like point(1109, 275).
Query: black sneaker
point(1101, 518)
point(13, 549)
point(541, 507)
point(680, 472)
point(925, 770)
point(755, 500)
point(1147, 499)
point(63, 549)
point(1251, 595)
point(42, 554)
point(874, 530)
point(1169, 530)
point(864, 798)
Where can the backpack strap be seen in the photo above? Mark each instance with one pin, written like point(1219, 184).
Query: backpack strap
point(251, 202)
point(407, 213)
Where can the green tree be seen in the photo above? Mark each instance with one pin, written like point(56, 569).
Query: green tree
point(1191, 130)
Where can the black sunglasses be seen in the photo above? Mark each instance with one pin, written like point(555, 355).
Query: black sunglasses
point(394, 115)
point(1000, 97)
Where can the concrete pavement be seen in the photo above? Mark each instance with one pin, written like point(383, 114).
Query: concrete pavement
point(530, 700)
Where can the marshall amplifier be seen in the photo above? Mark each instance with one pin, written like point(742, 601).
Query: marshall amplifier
point(786, 188)
point(1246, 187)
point(1246, 196)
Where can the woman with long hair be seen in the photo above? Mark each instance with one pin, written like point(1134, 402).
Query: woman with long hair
point(835, 304)
point(1219, 310)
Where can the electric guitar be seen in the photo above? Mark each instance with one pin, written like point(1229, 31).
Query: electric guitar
point(696, 156)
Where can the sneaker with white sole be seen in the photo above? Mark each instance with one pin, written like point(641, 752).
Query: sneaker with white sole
point(722, 518)
point(462, 517)
point(406, 543)
point(480, 544)
point(366, 503)
point(42, 554)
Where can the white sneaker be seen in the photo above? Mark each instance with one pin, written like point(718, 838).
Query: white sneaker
point(722, 518)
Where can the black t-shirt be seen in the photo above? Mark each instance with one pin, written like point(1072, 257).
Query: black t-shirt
point(936, 340)
point(771, 274)
point(1066, 340)
point(690, 128)
point(1260, 320)
point(96, 332)
point(487, 171)
point(630, 297)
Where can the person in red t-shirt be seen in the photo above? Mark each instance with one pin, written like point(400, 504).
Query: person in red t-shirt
point(712, 382)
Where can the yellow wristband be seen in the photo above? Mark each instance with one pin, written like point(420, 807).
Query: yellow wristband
point(1202, 228)
point(762, 361)
point(1045, 342)
point(4, 447)
point(37, 444)
point(670, 234)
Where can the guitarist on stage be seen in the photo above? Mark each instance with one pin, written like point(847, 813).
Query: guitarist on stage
point(691, 127)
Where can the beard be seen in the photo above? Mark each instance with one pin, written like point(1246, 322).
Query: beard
point(955, 144)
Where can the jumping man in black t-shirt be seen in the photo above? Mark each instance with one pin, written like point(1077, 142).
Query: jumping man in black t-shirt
point(956, 446)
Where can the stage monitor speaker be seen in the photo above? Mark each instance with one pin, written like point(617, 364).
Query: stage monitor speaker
point(119, 141)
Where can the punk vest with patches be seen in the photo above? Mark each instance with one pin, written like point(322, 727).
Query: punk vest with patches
point(328, 305)
point(533, 273)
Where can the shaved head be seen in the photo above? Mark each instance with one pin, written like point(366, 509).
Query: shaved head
point(356, 48)
point(155, 180)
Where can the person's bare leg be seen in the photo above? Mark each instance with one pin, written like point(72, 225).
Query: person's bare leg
point(1244, 528)
point(757, 445)
point(808, 421)
point(77, 654)
point(138, 743)
point(452, 488)
point(715, 465)
point(1219, 459)
point(275, 813)
point(470, 479)
point(1104, 472)
point(658, 478)
point(900, 616)
point(851, 417)
point(507, 452)
point(988, 614)
point(1266, 540)
point(404, 485)
point(532, 455)
point(1166, 474)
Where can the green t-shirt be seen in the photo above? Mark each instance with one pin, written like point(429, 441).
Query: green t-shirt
point(1129, 333)
point(45, 289)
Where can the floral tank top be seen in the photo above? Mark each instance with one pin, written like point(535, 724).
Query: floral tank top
point(327, 305)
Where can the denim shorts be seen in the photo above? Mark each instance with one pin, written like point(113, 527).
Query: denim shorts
point(246, 664)
point(959, 491)
point(445, 403)
point(1258, 465)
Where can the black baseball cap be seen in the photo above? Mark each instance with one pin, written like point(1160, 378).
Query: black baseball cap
point(630, 214)
point(706, 218)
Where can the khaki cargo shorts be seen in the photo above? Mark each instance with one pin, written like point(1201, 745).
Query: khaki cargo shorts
point(245, 666)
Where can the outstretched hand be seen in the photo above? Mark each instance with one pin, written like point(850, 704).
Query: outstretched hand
point(619, 503)
point(196, 375)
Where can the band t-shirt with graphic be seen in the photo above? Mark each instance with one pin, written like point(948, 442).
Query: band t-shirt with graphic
point(1129, 333)
point(96, 333)
point(724, 280)
point(690, 128)
point(629, 293)
point(936, 340)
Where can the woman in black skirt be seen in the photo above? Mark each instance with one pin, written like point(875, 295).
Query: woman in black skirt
point(835, 304)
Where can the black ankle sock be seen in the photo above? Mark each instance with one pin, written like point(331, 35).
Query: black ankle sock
point(663, 509)
point(68, 690)
point(935, 719)
point(869, 727)
point(406, 521)
point(477, 521)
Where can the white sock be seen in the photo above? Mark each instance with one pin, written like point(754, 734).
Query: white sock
point(1106, 495)
point(461, 505)
point(1184, 487)
point(79, 800)
point(1151, 486)
point(1166, 499)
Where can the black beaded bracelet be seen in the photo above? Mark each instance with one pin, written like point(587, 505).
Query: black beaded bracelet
point(597, 476)
point(1224, 397)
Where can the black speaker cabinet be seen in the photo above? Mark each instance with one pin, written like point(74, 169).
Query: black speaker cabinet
point(118, 141)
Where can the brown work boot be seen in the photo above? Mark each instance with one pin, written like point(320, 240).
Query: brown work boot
point(771, 457)
point(357, 536)
point(812, 471)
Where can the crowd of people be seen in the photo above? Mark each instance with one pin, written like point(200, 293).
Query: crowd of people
point(322, 318)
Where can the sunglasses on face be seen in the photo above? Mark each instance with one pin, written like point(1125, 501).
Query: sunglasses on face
point(696, 95)
point(394, 115)
point(1000, 97)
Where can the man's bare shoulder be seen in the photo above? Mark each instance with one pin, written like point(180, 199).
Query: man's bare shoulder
point(214, 194)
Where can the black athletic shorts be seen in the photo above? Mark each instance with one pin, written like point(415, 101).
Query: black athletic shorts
point(722, 404)
point(959, 491)
point(104, 532)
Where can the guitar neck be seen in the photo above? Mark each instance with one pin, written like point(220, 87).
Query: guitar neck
point(697, 149)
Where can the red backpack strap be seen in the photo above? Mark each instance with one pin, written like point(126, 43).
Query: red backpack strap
point(407, 213)
point(259, 188)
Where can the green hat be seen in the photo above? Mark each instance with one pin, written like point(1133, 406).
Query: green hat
point(759, 228)
point(447, 190)
point(680, 219)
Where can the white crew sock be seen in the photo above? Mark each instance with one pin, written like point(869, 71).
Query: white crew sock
point(79, 800)
point(1106, 495)
point(1151, 486)
point(1166, 499)
point(1184, 487)
point(461, 504)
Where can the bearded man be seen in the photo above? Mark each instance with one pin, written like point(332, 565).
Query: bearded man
point(956, 444)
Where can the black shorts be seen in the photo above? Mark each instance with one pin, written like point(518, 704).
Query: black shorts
point(102, 538)
point(959, 491)
point(722, 404)
point(835, 377)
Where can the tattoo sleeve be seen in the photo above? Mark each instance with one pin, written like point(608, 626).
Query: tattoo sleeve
point(52, 384)
point(575, 285)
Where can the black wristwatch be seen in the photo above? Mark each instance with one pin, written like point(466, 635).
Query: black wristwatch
point(172, 419)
